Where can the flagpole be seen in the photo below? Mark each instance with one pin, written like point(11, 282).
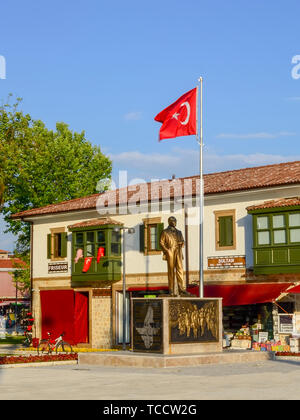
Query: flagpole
point(201, 193)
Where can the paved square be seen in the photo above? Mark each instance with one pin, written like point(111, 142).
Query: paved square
point(260, 380)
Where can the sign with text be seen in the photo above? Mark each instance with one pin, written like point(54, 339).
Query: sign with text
point(234, 261)
point(263, 336)
point(59, 267)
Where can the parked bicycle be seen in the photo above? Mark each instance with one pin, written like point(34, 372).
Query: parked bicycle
point(47, 346)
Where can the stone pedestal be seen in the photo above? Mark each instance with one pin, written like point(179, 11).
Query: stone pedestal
point(182, 325)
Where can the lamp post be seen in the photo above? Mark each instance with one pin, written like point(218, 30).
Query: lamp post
point(129, 230)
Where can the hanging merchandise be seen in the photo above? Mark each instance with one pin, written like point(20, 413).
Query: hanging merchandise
point(101, 253)
point(79, 254)
point(87, 264)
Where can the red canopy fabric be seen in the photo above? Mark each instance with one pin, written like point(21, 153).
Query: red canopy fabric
point(243, 294)
point(81, 321)
point(295, 289)
point(58, 313)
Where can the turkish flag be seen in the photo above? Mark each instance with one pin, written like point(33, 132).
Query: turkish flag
point(179, 118)
point(101, 253)
point(87, 264)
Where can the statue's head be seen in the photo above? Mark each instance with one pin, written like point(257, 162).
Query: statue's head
point(172, 221)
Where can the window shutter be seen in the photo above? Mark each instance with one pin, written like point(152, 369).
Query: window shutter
point(142, 238)
point(229, 230)
point(225, 231)
point(160, 228)
point(49, 246)
point(64, 242)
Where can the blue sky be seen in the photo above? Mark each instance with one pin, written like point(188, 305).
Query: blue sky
point(109, 67)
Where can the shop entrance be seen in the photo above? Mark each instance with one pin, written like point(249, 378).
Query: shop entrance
point(248, 321)
point(65, 311)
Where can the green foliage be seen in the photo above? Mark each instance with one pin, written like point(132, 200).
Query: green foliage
point(21, 276)
point(39, 166)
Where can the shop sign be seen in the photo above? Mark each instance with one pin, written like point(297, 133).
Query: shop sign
point(234, 261)
point(60, 267)
point(101, 292)
point(286, 323)
point(262, 337)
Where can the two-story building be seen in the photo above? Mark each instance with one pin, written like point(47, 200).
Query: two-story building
point(251, 251)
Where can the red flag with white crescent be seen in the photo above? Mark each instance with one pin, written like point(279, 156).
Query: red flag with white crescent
point(179, 118)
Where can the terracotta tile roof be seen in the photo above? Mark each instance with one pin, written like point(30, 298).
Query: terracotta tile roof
point(215, 183)
point(95, 222)
point(3, 252)
point(282, 202)
point(10, 263)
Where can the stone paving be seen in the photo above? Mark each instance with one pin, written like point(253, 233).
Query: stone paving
point(265, 380)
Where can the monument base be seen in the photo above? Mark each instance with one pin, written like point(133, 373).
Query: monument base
point(177, 325)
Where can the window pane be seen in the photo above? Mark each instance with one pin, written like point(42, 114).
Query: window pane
point(262, 222)
point(295, 235)
point(57, 245)
point(79, 238)
point(101, 236)
point(278, 221)
point(279, 237)
point(115, 249)
point(294, 219)
point(90, 250)
point(115, 236)
point(264, 238)
point(153, 237)
point(90, 237)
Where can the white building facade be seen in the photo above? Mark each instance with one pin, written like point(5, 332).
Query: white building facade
point(76, 250)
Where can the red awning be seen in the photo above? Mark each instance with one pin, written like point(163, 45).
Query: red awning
point(295, 289)
point(243, 294)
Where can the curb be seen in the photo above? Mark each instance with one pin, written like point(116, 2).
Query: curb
point(39, 364)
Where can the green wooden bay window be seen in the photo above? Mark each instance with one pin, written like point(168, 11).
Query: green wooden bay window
point(103, 245)
point(276, 240)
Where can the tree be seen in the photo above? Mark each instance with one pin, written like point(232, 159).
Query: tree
point(39, 166)
point(21, 276)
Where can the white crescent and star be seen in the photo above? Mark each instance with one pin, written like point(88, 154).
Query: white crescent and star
point(188, 110)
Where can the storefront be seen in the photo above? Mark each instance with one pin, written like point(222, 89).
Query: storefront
point(264, 316)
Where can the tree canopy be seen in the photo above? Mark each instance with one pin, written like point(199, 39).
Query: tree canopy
point(39, 166)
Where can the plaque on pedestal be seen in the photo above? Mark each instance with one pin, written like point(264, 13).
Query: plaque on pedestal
point(171, 325)
point(147, 325)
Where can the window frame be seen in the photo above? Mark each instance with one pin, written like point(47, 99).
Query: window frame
point(106, 244)
point(148, 224)
point(53, 252)
point(271, 229)
point(225, 213)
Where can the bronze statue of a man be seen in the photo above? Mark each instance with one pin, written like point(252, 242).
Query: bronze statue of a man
point(172, 242)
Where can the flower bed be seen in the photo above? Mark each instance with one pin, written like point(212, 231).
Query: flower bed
point(75, 349)
point(7, 360)
point(286, 353)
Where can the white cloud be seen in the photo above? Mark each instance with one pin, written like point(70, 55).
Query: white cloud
point(133, 116)
point(259, 135)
